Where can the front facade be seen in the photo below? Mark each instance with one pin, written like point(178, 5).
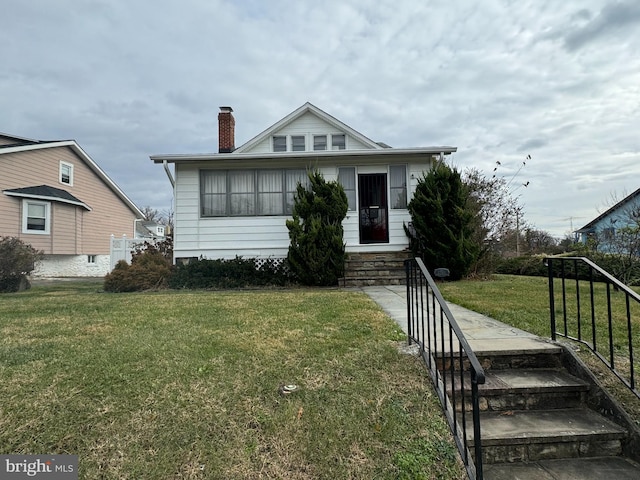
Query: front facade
point(606, 228)
point(56, 198)
point(236, 202)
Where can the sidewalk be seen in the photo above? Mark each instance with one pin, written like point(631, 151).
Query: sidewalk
point(484, 334)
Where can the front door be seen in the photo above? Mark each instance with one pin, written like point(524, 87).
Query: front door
point(372, 205)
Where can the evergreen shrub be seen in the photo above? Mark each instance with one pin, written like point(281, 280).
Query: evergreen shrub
point(317, 250)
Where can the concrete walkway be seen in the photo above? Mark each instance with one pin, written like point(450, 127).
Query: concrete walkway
point(484, 334)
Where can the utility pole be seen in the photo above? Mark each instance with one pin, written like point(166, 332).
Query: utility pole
point(517, 232)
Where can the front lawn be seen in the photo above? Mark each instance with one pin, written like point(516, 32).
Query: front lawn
point(186, 384)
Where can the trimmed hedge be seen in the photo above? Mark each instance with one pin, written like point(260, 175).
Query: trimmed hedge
point(623, 268)
point(233, 273)
point(527, 265)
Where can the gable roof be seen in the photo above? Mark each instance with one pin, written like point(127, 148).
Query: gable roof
point(244, 152)
point(46, 192)
point(591, 225)
point(293, 116)
point(38, 145)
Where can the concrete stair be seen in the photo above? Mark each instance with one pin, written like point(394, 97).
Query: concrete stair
point(537, 422)
point(375, 268)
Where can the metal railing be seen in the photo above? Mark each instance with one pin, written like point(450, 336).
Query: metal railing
point(454, 368)
point(592, 314)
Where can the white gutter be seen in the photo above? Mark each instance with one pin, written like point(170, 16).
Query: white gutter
point(174, 158)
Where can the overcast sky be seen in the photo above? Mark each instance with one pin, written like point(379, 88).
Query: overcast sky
point(499, 79)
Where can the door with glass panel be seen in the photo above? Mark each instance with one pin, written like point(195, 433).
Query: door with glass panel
point(373, 208)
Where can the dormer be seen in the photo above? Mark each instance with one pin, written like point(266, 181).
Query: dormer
point(308, 129)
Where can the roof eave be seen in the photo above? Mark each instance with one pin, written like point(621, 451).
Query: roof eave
point(179, 157)
point(47, 198)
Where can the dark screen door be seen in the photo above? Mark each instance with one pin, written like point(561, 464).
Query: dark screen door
point(372, 205)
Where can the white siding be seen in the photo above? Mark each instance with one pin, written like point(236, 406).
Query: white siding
point(268, 236)
point(307, 125)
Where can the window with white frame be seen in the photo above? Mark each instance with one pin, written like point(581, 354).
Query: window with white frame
point(347, 178)
point(298, 143)
point(92, 259)
point(398, 186)
point(319, 142)
point(279, 143)
point(338, 141)
point(248, 192)
point(35, 216)
point(66, 173)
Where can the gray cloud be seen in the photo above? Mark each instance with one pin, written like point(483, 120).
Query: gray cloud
point(497, 79)
point(614, 20)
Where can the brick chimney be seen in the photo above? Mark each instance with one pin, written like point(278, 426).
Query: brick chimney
point(226, 130)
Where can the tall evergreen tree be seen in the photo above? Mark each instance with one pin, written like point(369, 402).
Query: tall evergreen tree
point(443, 223)
point(317, 250)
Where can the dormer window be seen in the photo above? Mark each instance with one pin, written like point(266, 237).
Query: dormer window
point(297, 143)
point(338, 142)
point(66, 173)
point(279, 143)
point(319, 142)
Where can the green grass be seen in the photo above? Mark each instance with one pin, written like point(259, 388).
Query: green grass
point(523, 302)
point(185, 384)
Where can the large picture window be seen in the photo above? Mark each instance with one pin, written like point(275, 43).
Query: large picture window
point(248, 192)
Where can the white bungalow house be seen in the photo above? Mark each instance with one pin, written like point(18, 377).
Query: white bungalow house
point(235, 202)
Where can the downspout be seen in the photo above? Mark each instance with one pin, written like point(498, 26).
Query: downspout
point(166, 169)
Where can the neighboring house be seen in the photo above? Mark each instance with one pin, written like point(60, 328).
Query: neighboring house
point(605, 227)
point(57, 199)
point(235, 202)
point(150, 230)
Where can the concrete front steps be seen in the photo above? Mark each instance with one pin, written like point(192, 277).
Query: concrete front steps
point(537, 423)
point(375, 268)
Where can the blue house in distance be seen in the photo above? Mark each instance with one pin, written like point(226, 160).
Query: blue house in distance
point(605, 227)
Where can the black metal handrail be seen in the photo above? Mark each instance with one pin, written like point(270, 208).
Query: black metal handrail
point(610, 349)
point(432, 327)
